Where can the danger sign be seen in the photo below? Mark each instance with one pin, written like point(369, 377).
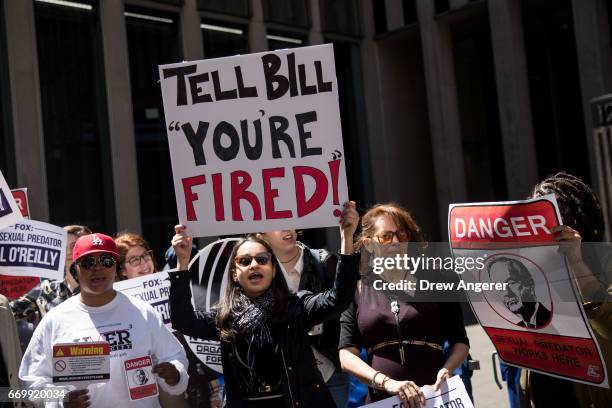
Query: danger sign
point(140, 379)
point(536, 322)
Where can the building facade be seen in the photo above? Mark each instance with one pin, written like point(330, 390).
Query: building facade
point(441, 101)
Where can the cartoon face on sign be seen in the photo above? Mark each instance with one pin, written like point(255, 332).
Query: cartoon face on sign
point(140, 377)
point(526, 300)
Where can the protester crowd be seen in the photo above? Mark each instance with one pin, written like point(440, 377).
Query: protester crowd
point(292, 321)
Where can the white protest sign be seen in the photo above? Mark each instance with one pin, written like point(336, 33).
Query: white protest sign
point(9, 210)
point(140, 379)
point(81, 363)
point(20, 195)
point(33, 248)
point(452, 394)
point(535, 321)
point(255, 141)
point(153, 289)
point(211, 264)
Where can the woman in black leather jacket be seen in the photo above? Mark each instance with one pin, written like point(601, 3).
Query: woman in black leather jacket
point(266, 354)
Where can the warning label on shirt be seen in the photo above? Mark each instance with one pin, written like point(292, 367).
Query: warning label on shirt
point(81, 362)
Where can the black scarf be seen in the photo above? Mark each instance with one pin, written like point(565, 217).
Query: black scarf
point(251, 317)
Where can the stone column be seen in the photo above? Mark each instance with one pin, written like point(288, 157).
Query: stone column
point(513, 96)
point(191, 33)
point(257, 29)
point(315, 36)
point(443, 109)
point(26, 107)
point(120, 117)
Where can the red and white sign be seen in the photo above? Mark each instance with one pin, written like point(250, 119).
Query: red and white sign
point(14, 286)
point(21, 198)
point(536, 321)
point(81, 363)
point(255, 141)
point(140, 379)
point(9, 211)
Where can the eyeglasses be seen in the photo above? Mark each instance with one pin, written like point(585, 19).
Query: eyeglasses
point(246, 260)
point(387, 236)
point(90, 262)
point(138, 259)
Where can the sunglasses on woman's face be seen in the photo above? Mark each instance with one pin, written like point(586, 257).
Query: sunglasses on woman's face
point(90, 262)
point(246, 260)
point(386, 237)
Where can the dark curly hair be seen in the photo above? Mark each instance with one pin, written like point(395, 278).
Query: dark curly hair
point(578, 204)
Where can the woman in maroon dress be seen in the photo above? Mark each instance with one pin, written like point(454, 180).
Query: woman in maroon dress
point(404, 335)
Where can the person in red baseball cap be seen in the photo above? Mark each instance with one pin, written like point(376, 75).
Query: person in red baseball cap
point(132, 328)
point(95, 257)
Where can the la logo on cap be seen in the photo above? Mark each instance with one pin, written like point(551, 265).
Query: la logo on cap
point(96, 240)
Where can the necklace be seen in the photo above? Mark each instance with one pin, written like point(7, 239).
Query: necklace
point(294, 256)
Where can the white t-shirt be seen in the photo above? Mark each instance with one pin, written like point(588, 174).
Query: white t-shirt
point(132, 328)
point(293, 276)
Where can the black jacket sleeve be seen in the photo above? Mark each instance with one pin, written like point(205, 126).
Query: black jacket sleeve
point(190, 322)
point(452, 323)
point(321, 306)
point(350, 335)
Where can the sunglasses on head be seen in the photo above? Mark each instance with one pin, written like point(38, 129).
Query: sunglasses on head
point(90, 262)
point(246, 260)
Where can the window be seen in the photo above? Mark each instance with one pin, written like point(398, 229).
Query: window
point(279, 40)
point(152, 40)
point(410, 11)
point(290, 12)
point(173, 2)
point(340, 17)
point(223, 39)
point(554, 86)
point(380, 16)
point(351, 102)
point(78, 163)
point(441, 6)
point(232, 7)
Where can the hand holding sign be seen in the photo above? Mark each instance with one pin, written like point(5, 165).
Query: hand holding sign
point(442, 376)
point(349, 220)
point(77, 399)
point(569, 242)
point(407, 391)
point(452, 393)
point(181, 242)
point(168, 372)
